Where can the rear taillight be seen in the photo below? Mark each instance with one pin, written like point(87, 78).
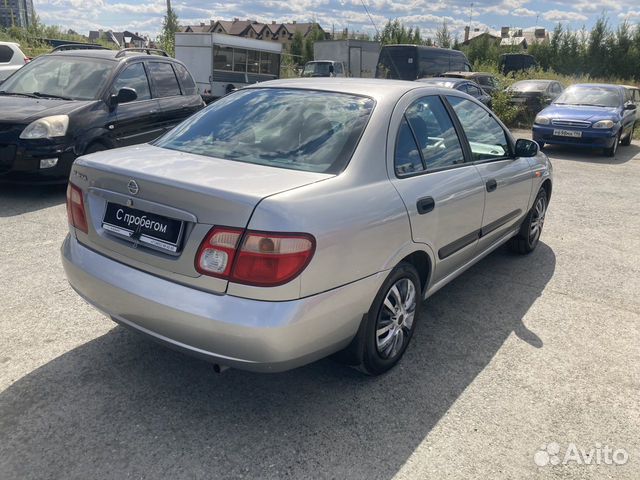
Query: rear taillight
point(75, 208)
point(254, 258)
point(26, 60)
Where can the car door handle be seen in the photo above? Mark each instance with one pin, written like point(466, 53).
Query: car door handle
point(425, 205)
point(491, 185)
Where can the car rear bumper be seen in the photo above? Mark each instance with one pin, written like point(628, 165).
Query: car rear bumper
point(236, 332)
point(589, 138)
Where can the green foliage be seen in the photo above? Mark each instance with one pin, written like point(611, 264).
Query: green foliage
point(312, 37)
point(297, 48)
point(443, 37)
point(167, 37)
point(395, 32)
point(30, 38)
point(504, 109)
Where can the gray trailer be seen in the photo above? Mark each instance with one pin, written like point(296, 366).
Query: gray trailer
point(360, 57)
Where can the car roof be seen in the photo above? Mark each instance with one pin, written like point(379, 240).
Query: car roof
point(369, 87)
point(104, 54)
point(13, 44)
point(468, 74)
point(537, 81)
point(603, 85)
point(453, 80)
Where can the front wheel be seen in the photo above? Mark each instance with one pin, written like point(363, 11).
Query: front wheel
point(611, 151)
point(391, 320)
point(528, 237)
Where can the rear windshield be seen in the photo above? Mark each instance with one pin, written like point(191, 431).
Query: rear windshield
point(398, 63)
point(319, 69)
point(528, 86)
point(289, 128)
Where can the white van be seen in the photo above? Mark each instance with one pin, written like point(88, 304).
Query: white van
point(11, 59)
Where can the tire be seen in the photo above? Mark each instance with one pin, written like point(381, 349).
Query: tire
point(528, 237)
point(627, 141)
point(379, 352)
point(611, 151)
point(95, 147)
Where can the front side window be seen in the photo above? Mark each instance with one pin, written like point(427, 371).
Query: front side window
point(222, 58)
point(63, 76)
point(133, 77)
point(288, 128)
point(164, 79)
point(487, 139)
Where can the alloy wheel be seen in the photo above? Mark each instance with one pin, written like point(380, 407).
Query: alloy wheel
point(396, 318)
point(537, 219)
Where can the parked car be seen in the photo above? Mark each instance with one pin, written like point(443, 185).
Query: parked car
point(488, 82)
point(516, 62)
point(588, 115)
point(534, 95)
point(323, 68)
point(411, 62)
point(11, 59)
point(462, 85)
point(298, 218)
point(73, 102)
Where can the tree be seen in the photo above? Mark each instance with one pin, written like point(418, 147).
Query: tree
point(170, 27)
point(443, 37)
point(297, 47)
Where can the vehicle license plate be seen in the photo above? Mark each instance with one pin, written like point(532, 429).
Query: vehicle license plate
point(567, 133)
point(147, 228)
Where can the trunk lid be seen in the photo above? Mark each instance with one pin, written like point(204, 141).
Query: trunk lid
point(199, 191)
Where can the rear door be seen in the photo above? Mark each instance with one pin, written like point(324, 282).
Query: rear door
point(173, 106)
point(507, 180)
point(134, 122)
point(443, 194)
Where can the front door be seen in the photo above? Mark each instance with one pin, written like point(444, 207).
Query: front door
point(134, 122)
point(507, 180)
point(443, 194)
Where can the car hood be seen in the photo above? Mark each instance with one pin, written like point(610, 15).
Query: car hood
point(578, 112)
point(25, 109)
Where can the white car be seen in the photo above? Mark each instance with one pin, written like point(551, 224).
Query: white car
point(11, 59)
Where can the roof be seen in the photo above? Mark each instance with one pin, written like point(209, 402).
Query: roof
point(451, 80)
point(513, 41)
point(103, 54)
point(467, 74)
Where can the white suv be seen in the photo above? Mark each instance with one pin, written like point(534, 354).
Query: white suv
point(11, 59)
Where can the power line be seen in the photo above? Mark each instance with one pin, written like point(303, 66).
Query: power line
point(370, 18)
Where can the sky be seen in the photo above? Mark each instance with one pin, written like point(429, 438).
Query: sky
point(145, 16)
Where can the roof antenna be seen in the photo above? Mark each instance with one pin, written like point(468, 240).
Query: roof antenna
point(369, 15)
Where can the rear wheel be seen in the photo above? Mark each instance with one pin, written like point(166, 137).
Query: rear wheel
point(528, 237)
point(627, 141)
point(391, 320)
point(611, 151)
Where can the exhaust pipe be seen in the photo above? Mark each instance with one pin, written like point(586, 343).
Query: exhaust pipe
point(219, 368)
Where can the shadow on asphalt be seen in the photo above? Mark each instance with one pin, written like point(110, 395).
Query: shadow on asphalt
point(123, 407)
point(591, 155)
point(20, 199)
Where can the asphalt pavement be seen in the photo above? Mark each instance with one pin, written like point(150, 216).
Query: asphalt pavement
point(519, 368)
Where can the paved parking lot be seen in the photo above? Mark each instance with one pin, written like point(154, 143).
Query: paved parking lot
point(517, 353)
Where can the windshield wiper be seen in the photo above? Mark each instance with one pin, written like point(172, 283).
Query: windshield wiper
point(49, 95)
point(16, 94)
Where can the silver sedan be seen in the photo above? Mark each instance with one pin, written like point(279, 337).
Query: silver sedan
point(301, 218)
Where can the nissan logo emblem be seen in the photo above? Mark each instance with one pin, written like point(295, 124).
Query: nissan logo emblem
point(133, 187)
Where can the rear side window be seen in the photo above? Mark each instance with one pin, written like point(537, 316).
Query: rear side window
point(473, 90)
point(164, 79)
point(6, 54)
point(134, 77)
point(486, 137)
point(188, 85)
point(297, 129)
point(434, 135)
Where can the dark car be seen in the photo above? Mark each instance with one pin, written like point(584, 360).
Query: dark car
point(516, 62)
point(534, 95)
point(487, 82)
point(588, 115)
point(411, 62)
point(73, 102)
point(462, 85)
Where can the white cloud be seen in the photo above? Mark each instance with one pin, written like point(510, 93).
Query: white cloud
point(523, 12)
point(561, 16)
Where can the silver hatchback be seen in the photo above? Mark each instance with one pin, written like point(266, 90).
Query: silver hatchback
point(301, 218)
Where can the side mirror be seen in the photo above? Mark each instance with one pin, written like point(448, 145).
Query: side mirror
point(125, 95)
point(526, 148)
point(630, 106)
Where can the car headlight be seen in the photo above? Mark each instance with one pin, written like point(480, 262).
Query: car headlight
point(47, 127)
point(604, 124)
point(542, 120)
